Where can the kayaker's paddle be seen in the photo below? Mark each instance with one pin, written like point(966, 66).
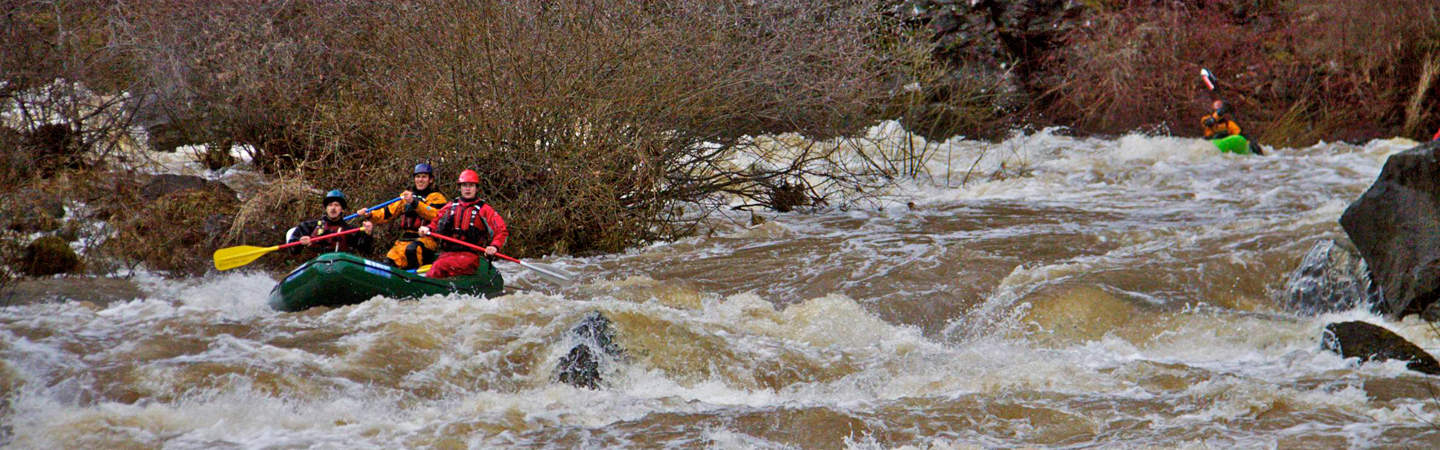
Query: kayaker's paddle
point(550, 273)
point(231, 257)
point(1210, 82)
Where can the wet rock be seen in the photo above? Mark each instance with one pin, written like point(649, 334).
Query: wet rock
point(593, 335)
point(48, 255)
point(167, 184)
point(1373, 343)
point(1396, 227)
point(1332, 277)
point(580, 368)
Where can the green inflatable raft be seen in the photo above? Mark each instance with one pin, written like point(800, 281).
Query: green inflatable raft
point(338, 279)
point(1236, 144)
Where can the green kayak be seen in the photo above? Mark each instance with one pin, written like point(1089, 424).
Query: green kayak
point(1236, 144)
point(338, 279)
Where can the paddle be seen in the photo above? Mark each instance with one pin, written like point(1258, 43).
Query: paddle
point(550, 273)
point(372, 208)
point(231, 257)
point(1210, 82)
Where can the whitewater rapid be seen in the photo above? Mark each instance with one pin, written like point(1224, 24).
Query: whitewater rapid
point(1043, 291)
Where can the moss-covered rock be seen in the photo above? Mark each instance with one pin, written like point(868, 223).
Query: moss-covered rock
point(48, 255)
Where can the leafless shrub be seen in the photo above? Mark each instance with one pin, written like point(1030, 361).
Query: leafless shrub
point(1384, 52)
point(60, 83)
point(598, 117)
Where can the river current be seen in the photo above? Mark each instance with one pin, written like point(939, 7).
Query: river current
point(1089, 292)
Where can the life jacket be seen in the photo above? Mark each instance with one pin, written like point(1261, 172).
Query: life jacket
point(1215, 126)
point(410, 219)
point(408, 215)
point(324, 226)
point(462, 220)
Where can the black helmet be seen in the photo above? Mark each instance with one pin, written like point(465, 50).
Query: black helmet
point(425, 169)
point(335, 196)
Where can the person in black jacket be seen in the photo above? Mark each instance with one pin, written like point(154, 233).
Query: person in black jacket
point(333, 222)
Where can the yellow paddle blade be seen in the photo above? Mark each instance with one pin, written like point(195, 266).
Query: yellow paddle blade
point(231, 257)
point(423, 269)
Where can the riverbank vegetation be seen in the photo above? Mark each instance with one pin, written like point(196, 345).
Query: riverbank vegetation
point(592, 121)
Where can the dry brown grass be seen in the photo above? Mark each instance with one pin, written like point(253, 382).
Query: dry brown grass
point(173, 232)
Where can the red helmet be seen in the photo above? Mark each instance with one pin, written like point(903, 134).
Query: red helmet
point(469, 176)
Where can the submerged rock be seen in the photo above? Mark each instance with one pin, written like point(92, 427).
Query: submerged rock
point(1332, 277)
point(580, 367)
point(1396, 227)
point(1373, 343)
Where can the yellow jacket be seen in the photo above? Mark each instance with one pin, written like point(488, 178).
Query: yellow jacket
point(1217, 128)
point(420, 211)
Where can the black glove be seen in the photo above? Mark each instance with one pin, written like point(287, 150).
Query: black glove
point(1209, 121)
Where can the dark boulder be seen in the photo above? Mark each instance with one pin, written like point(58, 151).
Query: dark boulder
point(1396, 227)
point(1332, 277)
point(580, 368)
point(166, 184)
point(592, 336)
point(1373, 343)
point(48, 255)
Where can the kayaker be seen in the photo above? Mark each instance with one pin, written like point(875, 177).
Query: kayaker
point(333, 222)
point(469, 219)
point(417, 207)
point(1219, 125)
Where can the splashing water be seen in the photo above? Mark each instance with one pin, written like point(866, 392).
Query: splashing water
point(1043, 291)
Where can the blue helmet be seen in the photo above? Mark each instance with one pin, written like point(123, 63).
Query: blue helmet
point(425, 169)
point(335, 196)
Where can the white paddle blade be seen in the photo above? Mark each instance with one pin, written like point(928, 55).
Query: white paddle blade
point(550, 273)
